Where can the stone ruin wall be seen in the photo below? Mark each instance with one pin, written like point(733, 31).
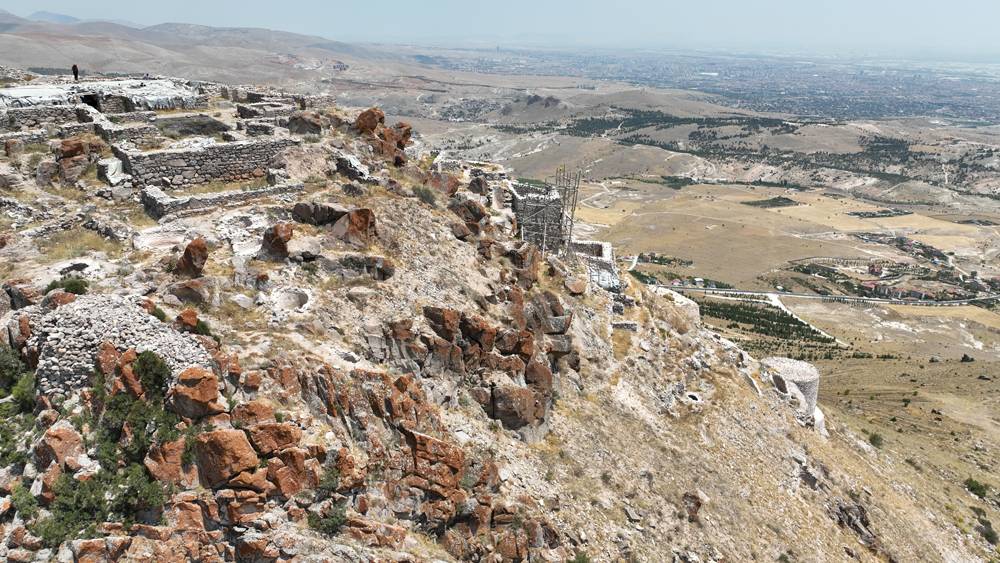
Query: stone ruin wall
point(113, 133)
point(227, 162)
point(16, 119)
point(539, 214)
point(160, 204)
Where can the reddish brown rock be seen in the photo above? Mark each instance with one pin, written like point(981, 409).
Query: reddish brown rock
point(13, 147)
point(191, 291)
point(90, 551)
point(446, 323)
point(58, 298)
point(461, 231)
point(520, 342)
point(369, 121)
point(49, 478)
point(576, 285)
point(255, 480)
point(374, 533)
point(196, 394)
point(70, 169)
point(538, 376)
point(251, 380)
point(306, 123)
point(22, 293)
point(472, 212)
point(107, 358)
point(127, 380)
point(478, 330)
point(527, 259)
point(60, 442)
point(270, 437)
point(437, 466)
point(72, 147)
point(356, 227)
point(223, 454)
point(192, 262)
point(187, 320)
point(253, 412)
point(165, 464)
point(390, 142)
point(275, 242)
point(516, 407)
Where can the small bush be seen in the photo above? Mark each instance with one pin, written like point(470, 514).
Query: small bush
point(329, 482)
point(426, 195)
point(581, 558)
point(876, 439)
point(24, 393)
point(76, 286)
point(203, 329)
point(159, 314)
point(331, 523)
point(11, 369)
point(24, 502)
point(154, 374)
point(976, 488)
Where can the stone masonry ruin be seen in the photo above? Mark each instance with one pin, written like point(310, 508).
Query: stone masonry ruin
point(545, 211)
point(230, 162)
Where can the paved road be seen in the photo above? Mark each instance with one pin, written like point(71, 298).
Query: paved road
point(842, 298)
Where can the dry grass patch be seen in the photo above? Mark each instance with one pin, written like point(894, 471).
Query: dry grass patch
point(218, 187)
point(238, 318)
point(621, 343)
point(77, 242)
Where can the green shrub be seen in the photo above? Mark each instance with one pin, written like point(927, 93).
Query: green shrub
point(24, 502)
point(426, 195)
point(77, 286)
point(159, 314)
point(876, 439)
point(24, 393)
point(332, 522)
point(986, 529)
point(581, 558)
point(976, 488)
point(154, 374)
point(11, 369)
point(203, 329)
point(77, 505)
point(329, 482)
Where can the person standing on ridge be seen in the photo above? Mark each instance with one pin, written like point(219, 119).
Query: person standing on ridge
point(76, 73)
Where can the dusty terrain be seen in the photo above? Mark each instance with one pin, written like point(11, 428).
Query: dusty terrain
point(644, 442)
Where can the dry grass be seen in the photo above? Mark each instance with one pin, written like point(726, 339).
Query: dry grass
point(621, 343)
point(218, 187)
point(77, 242)
point(237, 318)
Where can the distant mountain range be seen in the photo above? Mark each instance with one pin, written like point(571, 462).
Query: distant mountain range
point(52, 17)
point(47, 40)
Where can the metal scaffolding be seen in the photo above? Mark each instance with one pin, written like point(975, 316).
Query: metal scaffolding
point(546, 211)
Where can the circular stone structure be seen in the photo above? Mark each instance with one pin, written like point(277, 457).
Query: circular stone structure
point(66, 340)
point(794, 377)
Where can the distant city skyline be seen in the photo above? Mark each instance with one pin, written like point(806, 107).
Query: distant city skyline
point(960, 29)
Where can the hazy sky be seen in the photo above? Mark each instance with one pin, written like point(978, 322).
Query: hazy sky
point(941, 28)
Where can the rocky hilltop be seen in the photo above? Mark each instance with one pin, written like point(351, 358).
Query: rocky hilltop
point(245, 326)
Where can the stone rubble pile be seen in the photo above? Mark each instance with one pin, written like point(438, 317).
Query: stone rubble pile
point(66, 339)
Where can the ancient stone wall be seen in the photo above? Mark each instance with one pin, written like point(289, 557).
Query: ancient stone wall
point(16, 119)
point(539, 213)
point(228, 162)
point(112, 133)
point(159, 204)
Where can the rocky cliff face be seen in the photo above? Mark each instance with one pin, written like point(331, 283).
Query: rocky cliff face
point(374, 370)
